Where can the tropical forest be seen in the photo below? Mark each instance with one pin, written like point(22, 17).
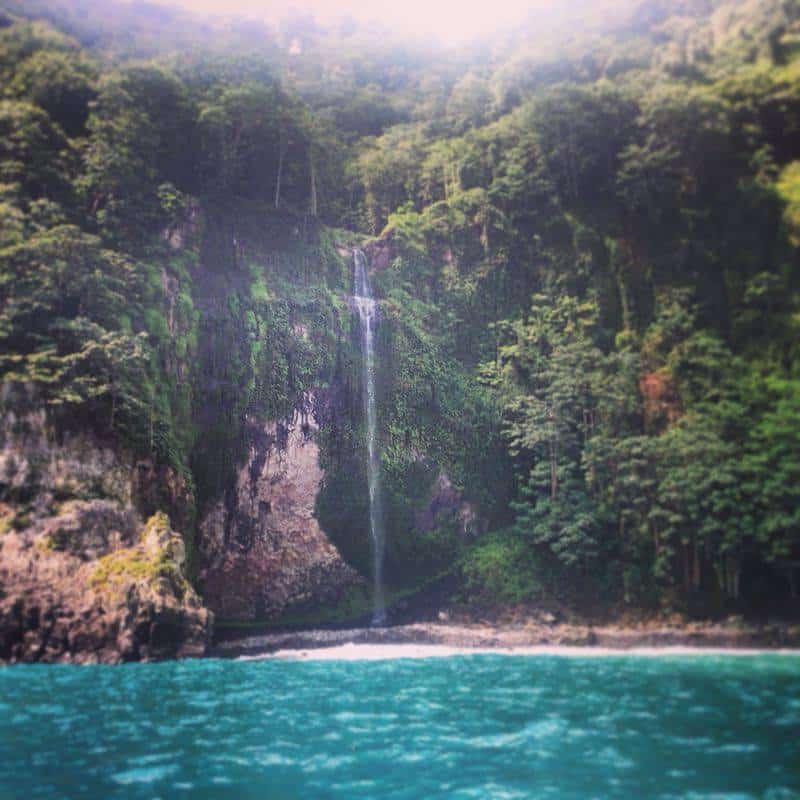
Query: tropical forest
point(317, 330)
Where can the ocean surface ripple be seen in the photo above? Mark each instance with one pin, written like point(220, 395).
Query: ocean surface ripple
point(473, 726)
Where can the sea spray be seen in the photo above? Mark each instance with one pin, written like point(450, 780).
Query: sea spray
point(368, 314)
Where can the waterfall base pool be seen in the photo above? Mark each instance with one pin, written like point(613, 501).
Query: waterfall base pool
point(482, 726)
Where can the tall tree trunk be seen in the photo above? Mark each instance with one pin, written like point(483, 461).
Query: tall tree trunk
point(656, 539)
point(553, 458)
point(687, 583)
point(281, 154)
point(152, 424)
point(313, 170)
point(485, 234)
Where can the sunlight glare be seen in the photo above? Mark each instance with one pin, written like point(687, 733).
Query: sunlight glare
point(450, 21)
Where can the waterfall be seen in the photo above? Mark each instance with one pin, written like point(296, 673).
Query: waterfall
point(368, 313)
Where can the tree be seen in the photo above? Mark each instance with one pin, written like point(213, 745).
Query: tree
point(469, 104)
point(388, 170)
point(549, 373)
point(140, 137)
point(250, 136)
point(774, 461)
point(34, 153)
point(61, 82)
point(65, 324)
point(582, 134)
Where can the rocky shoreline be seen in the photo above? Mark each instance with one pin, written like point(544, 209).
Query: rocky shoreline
point(728, 635)
point(90, 569)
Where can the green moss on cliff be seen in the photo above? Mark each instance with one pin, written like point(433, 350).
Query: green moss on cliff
point(7, 517)
point(152, 560)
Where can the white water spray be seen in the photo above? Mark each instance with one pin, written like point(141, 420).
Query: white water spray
point(368, 315)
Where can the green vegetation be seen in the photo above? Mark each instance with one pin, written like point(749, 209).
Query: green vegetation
point(501, 569)
point(590, 295)
point(151, 560)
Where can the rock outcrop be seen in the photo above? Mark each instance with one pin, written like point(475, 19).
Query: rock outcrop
point(263, 550)
point(661, 401)
point(82, 578)
point(447, 506)
point(380, 252)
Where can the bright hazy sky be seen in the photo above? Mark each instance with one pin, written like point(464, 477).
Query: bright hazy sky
point(450, 20)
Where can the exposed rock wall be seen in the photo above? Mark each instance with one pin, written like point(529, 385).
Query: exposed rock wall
point(661, 400)
point(262, 548)
point(380, 253)
point(447, 506)
point(81, 577)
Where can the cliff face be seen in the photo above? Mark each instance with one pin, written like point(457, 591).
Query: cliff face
point(254, 418)
point(263, 551)
point(236, 342)
point(82, 577)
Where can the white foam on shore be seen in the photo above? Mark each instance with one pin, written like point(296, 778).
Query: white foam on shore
point(380, 652)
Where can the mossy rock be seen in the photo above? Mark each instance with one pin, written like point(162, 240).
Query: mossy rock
point(155, 561)
point(7, 519)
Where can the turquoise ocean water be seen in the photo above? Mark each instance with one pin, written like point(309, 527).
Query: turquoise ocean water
point(485, 726)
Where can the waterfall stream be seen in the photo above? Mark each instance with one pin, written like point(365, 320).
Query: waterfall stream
point(368, 315)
